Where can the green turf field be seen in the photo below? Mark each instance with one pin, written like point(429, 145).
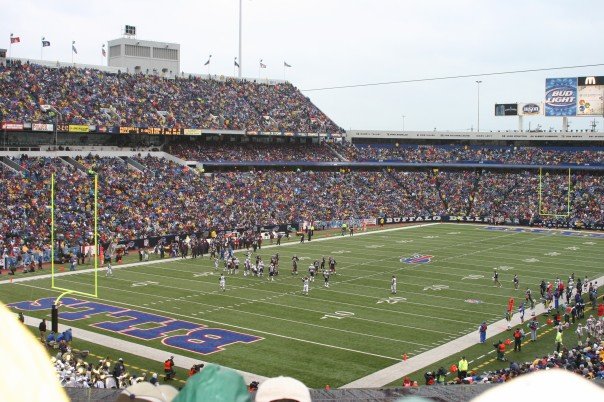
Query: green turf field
point(356, 326)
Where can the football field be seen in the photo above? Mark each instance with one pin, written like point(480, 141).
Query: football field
point(334, 335)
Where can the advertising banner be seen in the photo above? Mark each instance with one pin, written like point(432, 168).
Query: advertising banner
point(561, 96)
point(41, 127)
point(78, 128)
point(12, 126)
point(191, 131)
point(540, 223)
point(530, 109)
point(590, 96)
point(506, 109)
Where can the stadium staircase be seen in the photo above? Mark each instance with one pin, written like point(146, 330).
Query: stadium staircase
point(336, 153)
point(9, 163)
point(393, 177)
point(473, 191)
point(132, 164)
point(72, 162)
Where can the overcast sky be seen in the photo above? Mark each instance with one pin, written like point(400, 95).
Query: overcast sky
point(340, 42)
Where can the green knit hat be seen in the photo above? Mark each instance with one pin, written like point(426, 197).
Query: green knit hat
point(214, 383)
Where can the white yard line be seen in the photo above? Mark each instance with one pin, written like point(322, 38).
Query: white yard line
point(136, 264)
point(399, 370)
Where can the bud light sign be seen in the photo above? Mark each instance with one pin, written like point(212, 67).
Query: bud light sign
point(560, 96)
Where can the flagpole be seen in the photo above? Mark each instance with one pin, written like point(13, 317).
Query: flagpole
point(240, 59)
point(10, 45)
point(41, 48)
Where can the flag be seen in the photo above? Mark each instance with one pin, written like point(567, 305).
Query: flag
point(262, 65)
point(73, 48)
point(14, 39)
point(103, 52)
point(208, 62)
point(285, 64)
point(236, 64)
point(45, 43)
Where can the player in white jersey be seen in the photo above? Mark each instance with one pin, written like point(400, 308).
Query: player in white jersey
point(247, 266)
point(261, 268)
point(312, 271)
point(305, 283)
point(215, 263)
point(109, 271)
point(222, 282)
point(393, 285)
point(271, 272)
point(326, 277)
point(236, 265)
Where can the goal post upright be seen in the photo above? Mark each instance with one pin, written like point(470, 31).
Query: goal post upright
point(52, 230)
point(65, 291)
point(568, 192)
point(96, 236)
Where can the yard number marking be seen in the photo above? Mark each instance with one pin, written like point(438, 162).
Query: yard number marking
point(436, 287)
point(473, 277)
point(203, 274)
point(339, 315)
point(391, 300)
point(145, 283)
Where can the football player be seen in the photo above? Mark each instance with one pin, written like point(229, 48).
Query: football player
point(312, 271)
point(496, 278)
point(222, 282)
point(305, 282)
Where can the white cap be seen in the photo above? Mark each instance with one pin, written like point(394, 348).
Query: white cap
point(282, 388)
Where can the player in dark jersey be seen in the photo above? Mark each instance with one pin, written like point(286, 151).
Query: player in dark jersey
point(312, 270)
point(332, 265)
point(295, 260)
point(496, 278)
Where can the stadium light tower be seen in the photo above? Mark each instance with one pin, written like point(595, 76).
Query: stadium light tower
point(478, 87)
point(240, 59)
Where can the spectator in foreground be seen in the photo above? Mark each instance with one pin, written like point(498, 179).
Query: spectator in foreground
point(215, 383)
point(556, 383)
point(282, 388)
point(145, 391)
point(40, 383)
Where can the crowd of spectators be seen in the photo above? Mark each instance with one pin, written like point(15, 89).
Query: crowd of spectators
point(90, 96)
point(477, 154)
point(253, 151)
point(167, 198)
point(586, 360)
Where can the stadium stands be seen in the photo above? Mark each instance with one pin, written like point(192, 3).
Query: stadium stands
point(479, 154)
point(254, 151)
point(167, 198)
point(89, 96)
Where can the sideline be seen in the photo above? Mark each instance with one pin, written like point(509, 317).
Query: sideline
point(399, 370)
point(136, 264)
point(139, 350)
